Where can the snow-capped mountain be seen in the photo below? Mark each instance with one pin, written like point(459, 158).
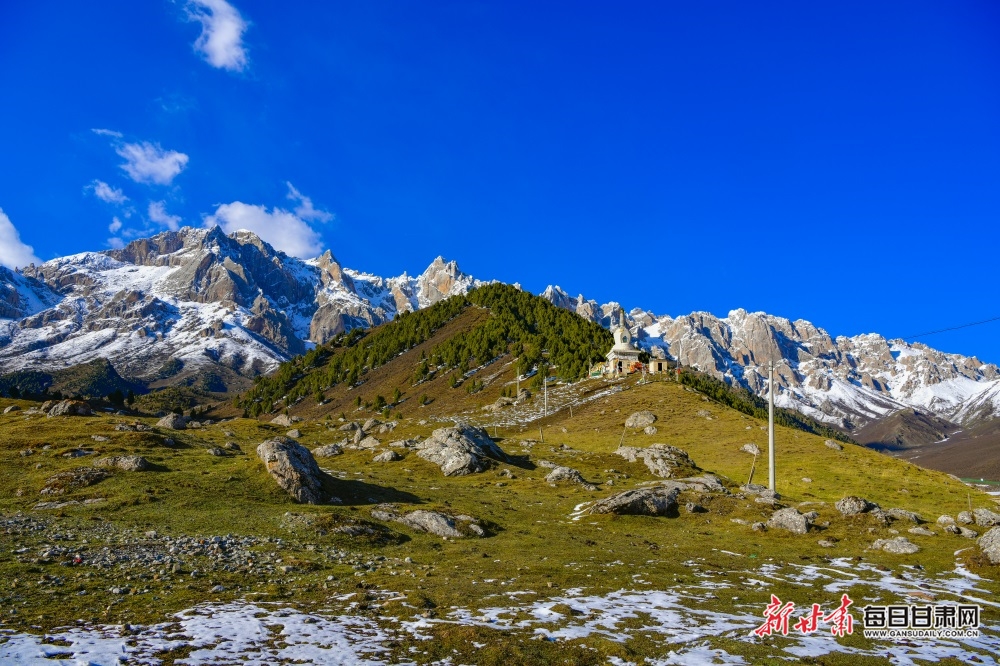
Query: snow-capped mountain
point(845, 381)
point(170, 305)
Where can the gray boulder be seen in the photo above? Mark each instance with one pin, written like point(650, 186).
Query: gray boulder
point(945, 520)
point(73, 479)
point(70, 408)
point(365, 443)
point(295, 433)
point(897, 545)
point(460, 450)
point(903, 514)
point(294, 469)
point(568, 474)
point(370, 424)
point(217, 451)
point(387, 456)
point(351, 426)
point(830, 444)
point(12, 408)
point(986, 518)
point(965, 518)
point(431, 522)
point(852, 505)
point(125, 463)
point(173, 422)
point(650, 430)
point(989, 543)
point(751, 448)
point(789, 519)
point(920, 531)
point(328, 451)
point(282, 420)
point(661, 459)
point(655, 501)
point(640, 419)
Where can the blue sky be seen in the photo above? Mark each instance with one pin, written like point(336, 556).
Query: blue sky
point(833, 162)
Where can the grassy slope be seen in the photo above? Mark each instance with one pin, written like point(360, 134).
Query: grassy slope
point(536, 544)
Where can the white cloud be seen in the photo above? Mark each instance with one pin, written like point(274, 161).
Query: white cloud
point(107, 132)
point(116, 243)
point(305, 208)
point(221, 38)
point(280, 228)
point(108, 194)
point(149, 163)
point(13, 252)
point(158, 213)
point(115, 225)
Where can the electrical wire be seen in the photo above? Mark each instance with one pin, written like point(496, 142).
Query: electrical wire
point(953, 328)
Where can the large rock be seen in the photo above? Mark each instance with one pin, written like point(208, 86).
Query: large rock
point(173, 422)
point(833, 445)
point(789, 519)
point(852, 505)
point(751, 448)
point(640, 419)
point(903, 514)
point(896, 545)
point(70, 408)
point(568, 474)
point(328, 451)
point(294, 468)
point(460, 450)
point(432, 522)
point(654, 501)
point(126, 463)
point(282, 420)
point(986, 518)
point(387, 456)
point(12, 408)
point(661, 459)
point(989, 543)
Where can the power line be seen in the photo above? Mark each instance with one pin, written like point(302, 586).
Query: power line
point(953, 328)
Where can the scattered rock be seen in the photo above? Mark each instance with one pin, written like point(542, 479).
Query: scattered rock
point(656, 501)
point(365, 443)
point(568, 474)
point(789, 519)
point(989, 543)
point(294, 469)
point(706, 483)
point(661, 459)
point(387, 456)
point(328, 451)
point(967, 533)
point(294, 433)
point(650, 430)
point(897, 545)
point(215, 451)
point(751, 448)
point(945, 520)
point(282, 420)
point(704, 413)
point(965, 518)
point(833, 445)
point(370, 424)
point(851, 505)
point(767, 496)
point(640, 419)
point(348, 427)
point(903, 514)
point(73, 479)
point(126, 463)
point(806, 479)
point(827, 543)
point(404, 444)
point(12, 408)
point(70, 408)
point(692, 507)
point(432, 522)
point(986, 518)
point(758, 527)
point(173, 422)
point(233, 446)
point(921, 531)
point(460, 450)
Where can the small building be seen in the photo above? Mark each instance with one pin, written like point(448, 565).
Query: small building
point(623, 357)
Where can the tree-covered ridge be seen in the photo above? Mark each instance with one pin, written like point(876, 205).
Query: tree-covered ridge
point(743, 400)
point(531, 328)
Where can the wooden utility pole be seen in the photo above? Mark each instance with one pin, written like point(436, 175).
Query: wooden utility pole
point(770, 425)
